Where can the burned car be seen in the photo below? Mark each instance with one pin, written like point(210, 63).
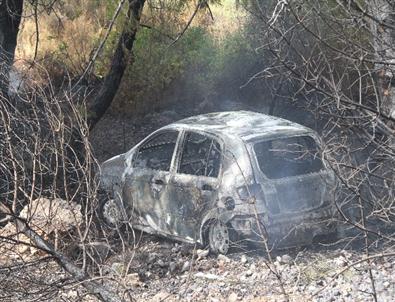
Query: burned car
point(218, 178)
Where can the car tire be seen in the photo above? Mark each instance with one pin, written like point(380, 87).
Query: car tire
point(218, 237)
point(111, 213)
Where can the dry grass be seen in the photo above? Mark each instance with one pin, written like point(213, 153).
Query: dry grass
point(65, 40)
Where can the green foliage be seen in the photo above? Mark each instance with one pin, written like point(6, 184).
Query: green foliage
point(198, 67)
point(157, 65)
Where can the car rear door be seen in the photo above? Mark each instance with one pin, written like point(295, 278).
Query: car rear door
point(147, 183)
point(194, 186)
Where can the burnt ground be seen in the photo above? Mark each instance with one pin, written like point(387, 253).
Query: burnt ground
point(162, 270)
point(157, 269)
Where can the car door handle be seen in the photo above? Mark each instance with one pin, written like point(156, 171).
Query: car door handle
point(207, 187)
point(159, 182)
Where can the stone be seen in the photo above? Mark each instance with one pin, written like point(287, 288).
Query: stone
point(320, 283)
point(286, 259)
point(161, 263)
point(223, 258)
point(278, 259)
point(248, 273)
point(152, 257)
point(202, 253)
point(208, 276)
point(161, 296)
point(172, 267)
point(232, 297)
point(185, 266)
point(243, 259)
point(117, 268)
point(386, 284)
point(133, 280)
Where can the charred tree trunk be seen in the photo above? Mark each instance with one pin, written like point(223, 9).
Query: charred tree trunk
point(383, 31)
point(10, 19)
point(119, 62)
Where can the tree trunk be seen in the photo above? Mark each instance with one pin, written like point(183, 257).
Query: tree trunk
point(10, 19)
point(119, 62)
point(383, 32)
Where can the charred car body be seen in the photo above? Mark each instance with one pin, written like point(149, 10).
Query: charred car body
point(221, 177)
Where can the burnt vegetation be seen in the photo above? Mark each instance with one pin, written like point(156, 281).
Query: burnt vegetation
point(83, 80)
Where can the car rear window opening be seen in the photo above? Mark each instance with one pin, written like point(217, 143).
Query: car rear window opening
point(289, 156)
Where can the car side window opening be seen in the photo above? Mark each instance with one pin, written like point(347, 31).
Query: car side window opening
point(157, 152)
point(201, 156)
point(286, 157)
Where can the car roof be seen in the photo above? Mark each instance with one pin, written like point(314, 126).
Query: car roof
point(246, 125)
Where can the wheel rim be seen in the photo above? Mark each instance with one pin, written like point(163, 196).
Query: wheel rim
point(219, 238)
point(111, 213)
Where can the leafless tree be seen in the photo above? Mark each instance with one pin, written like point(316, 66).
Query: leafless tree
point(51, 238)
point(336, 59)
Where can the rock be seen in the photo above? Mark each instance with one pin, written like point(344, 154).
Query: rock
point(243, 259)
point(71, 294)
point(185, 266)
point(386, 284)
point(232, 297)
point(133, 280)
point(202, 253)
point(320, 283)
point(278, 259)
point(161, 296)
point(340, 261)
point(242, 278)
point(152, 257)
point(161, 263)
point(47, 215)
point(117, 268)
point(286, 259)
point(248, 273)
point(208, 276)
point(172, 267)
point(311, 288)
point(223, 258)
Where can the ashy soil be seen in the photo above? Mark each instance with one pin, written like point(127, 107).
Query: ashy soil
point(158, 269)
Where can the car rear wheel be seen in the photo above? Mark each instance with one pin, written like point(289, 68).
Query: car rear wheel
point(218, 237)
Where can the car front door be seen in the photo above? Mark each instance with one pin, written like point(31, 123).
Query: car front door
point(147, 183)
point(194, 185)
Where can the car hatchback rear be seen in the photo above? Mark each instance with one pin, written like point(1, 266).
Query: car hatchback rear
point(296, 186)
